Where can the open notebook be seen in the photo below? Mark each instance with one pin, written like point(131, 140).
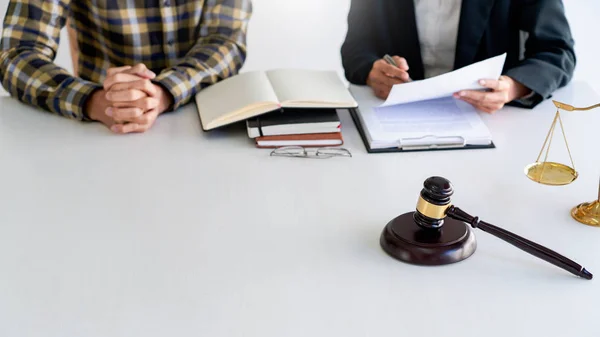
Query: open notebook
point(255, 93)
point(423, 115)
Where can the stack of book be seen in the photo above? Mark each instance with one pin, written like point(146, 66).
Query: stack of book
point(285, 107)
point(296, 127)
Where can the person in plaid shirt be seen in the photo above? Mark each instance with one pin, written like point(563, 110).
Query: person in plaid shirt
point(137, 58)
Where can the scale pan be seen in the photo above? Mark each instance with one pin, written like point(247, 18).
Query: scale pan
point(549, 173)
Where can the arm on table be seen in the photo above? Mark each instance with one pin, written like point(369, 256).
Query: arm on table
point(549, 50)
point(360, 50)
point(29, 44)
point(219, 52)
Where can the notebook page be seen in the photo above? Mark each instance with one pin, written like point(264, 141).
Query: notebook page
point(234, 94)
point(446, 84)
point(310, 88)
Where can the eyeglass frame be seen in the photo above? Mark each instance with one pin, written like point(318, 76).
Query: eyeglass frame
point(316, 152)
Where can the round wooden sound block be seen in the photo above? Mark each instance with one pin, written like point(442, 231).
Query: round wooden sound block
point(406, 241)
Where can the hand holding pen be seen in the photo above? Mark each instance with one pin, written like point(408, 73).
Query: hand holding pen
point(386, 73)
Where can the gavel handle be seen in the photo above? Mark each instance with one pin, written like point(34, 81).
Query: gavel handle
point(521, 243)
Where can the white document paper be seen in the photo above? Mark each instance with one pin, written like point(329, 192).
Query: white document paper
point(442, 122)
point(445, 85)
point(438, 123)
point(424, 115)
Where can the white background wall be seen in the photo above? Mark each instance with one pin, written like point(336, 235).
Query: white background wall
point(309, 33)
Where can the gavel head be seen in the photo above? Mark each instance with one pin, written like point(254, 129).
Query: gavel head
point(433, 203)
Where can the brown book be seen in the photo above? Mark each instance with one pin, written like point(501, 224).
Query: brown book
point(306, 140)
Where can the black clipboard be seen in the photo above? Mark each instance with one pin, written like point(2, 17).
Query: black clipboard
point(361, 131)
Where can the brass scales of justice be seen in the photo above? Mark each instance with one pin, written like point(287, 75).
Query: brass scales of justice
point(557, 174)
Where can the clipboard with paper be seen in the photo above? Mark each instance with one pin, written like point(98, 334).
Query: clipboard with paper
point(423, 115)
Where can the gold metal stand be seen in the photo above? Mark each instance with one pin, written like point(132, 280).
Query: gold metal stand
point(551, 173)
point(589, 212)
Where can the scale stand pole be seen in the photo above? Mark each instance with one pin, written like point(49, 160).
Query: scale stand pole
point(587, 213)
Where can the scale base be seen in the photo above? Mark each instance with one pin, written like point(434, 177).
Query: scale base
point(406, 241)
point(587, 213)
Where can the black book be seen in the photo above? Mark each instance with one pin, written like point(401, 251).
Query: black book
point(294, 121)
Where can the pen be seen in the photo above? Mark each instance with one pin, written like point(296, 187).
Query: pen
point(387, 58)
point(390, 60)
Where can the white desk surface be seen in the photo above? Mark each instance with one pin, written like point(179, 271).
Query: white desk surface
point(178, 232)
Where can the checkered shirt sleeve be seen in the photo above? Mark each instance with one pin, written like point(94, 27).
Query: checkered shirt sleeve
point(219, 52)
point(29, 44)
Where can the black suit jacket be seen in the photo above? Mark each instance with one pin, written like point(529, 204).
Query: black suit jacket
point(487, 28)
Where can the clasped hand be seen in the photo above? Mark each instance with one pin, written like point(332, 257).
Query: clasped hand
point(129, 101)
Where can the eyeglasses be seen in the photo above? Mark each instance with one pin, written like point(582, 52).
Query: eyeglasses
point(318, 153)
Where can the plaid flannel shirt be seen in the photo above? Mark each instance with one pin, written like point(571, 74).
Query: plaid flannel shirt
point(190, 44)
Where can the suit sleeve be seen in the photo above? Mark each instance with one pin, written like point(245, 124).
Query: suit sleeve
point(359, 50)
point(29, 43)
point(549, 50)
point(219, 52)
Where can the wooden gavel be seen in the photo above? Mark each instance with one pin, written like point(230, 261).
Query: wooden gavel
point(424, 238)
